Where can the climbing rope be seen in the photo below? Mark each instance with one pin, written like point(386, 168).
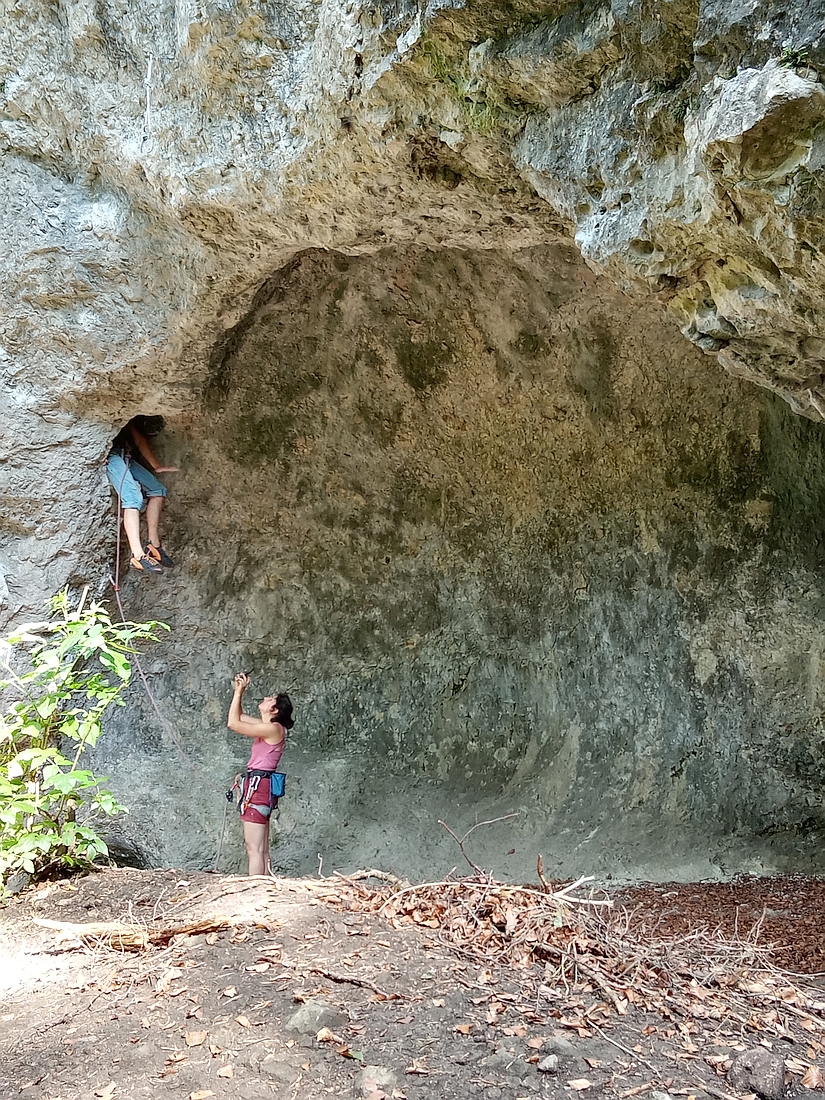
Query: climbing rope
point(165, 724)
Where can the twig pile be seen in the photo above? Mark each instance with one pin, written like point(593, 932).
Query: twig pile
point(585, 946)
point(491, 921)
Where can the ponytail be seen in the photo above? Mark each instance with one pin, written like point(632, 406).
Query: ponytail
point(283, 711)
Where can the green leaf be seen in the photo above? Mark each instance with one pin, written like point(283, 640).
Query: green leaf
point(46, 707)
point(108, 804)
point(70, 726)
point(64, 782)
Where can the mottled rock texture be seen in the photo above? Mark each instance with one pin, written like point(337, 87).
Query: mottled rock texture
point(406, 282)
point(509, 549)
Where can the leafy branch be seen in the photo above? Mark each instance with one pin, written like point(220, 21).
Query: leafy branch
point(75, 665)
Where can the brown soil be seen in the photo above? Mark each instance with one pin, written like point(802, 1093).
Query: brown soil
point(788, 913)
point(453, 992)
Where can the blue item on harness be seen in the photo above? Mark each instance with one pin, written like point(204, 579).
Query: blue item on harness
point(277, 781)
point(247, 784)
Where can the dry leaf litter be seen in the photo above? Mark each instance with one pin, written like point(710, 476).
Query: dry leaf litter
point(452, 989)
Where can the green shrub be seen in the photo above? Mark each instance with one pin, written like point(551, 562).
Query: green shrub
point(77, 667)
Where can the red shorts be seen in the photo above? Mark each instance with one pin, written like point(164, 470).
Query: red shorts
point(260, 801)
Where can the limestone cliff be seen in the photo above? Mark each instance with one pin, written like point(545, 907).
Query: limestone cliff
point(406, 282)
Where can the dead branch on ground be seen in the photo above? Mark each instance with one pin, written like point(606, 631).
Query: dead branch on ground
point(349, 979)
point(545, 885)
point(460, 841)
point(126, 937)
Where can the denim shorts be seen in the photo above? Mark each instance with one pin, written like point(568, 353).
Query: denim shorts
point(128, 479)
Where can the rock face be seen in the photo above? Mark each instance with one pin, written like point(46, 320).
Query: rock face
point(406, 283)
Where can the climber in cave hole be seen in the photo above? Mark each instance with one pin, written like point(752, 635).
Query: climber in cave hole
point(259, 785)
point(131, 480)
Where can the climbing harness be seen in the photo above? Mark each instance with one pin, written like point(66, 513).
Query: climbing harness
point(247, 783)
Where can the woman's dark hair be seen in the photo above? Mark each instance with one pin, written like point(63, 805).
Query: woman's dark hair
point(149, 425)
point(283, 711)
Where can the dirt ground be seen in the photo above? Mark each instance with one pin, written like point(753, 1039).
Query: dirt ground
point(236, 989)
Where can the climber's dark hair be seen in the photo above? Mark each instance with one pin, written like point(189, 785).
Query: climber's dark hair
point(283, 711)
point(149, 425)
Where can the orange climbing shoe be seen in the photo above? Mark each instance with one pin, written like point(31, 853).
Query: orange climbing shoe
point(145, 565)
point(158, 554)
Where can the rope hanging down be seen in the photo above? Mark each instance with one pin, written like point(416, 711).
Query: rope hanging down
point(165, 724)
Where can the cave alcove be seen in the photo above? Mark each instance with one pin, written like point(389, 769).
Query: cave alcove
point(513, 546)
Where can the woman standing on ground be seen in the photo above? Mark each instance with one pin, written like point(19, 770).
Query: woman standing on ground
point(256, 798)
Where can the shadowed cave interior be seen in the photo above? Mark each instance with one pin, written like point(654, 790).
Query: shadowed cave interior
point(513, 545)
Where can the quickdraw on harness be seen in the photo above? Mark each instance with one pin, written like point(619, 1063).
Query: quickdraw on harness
point(247, 784)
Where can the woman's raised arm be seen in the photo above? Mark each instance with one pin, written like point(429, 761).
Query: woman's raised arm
point(242, 723)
